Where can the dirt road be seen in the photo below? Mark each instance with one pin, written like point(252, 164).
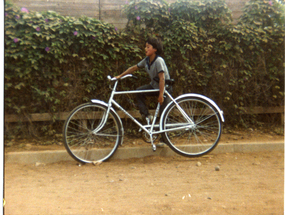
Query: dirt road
point(251, 183)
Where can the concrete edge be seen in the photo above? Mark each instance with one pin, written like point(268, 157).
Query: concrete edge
point(44, 157)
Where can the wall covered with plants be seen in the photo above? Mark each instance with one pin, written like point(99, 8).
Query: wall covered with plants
point(54, 62)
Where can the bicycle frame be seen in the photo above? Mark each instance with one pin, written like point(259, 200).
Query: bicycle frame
point(150, 131)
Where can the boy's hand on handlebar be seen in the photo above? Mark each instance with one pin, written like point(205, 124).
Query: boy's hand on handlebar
point(117, 77)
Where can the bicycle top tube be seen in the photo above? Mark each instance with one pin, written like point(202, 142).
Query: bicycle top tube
point(131, 91)
point(144, 127)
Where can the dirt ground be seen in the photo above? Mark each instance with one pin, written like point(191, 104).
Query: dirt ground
point(232, 183)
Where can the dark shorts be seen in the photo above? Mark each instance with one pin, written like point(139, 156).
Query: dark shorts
point(141, 98)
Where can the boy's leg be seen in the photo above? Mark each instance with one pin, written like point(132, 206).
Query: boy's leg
point(141, 97)
point(165, 102)
point(161, 143)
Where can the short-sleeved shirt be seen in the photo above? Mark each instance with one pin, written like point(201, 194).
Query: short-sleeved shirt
point(157, 65)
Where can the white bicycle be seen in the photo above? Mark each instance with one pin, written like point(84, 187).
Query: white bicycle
point(190, 125)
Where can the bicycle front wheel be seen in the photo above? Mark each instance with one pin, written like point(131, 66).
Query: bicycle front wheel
point(196, 138)
point(87, 138)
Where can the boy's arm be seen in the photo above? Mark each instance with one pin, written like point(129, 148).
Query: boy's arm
point(128, 71)
point(161, 87)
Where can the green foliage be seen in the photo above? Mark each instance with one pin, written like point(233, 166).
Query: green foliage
point(263, 14)
point(260, 33)
point(207, 14)
point(54, 62)
point(147, 16)
point(236, 65)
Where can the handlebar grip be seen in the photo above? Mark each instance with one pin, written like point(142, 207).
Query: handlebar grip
point(114, 79)
point(126, 76)
point(111, 79)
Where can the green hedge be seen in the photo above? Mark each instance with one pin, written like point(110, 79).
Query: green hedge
point(54, 62)
point(236, 65)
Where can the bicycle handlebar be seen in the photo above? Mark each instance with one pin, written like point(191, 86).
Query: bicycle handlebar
point(115, 79)
point(111, 79)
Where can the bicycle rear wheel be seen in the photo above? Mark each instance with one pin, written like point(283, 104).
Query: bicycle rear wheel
point(81, 139)
point(196, 139)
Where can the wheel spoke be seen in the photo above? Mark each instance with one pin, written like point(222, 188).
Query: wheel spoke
point(202, 136)
point(87, 146)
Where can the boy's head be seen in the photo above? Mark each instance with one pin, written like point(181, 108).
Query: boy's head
point(156, 44)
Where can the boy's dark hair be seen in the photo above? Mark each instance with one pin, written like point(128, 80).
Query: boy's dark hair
point(156, 44)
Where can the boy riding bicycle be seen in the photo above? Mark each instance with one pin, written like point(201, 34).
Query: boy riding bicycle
point(156, 68)
point(191, 125)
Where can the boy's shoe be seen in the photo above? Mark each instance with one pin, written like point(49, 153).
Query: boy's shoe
point(161, 144)
point(149, 119)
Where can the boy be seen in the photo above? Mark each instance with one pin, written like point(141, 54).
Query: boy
point(156, 68)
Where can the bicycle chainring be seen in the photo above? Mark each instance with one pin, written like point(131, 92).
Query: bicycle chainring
point(146, 137)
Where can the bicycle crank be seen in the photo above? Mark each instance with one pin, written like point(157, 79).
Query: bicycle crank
point(146, 137)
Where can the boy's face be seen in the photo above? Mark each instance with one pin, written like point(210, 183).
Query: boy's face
point(149, 50)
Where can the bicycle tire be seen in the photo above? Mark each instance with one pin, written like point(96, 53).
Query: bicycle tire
point(199, 139)
point(85, 146)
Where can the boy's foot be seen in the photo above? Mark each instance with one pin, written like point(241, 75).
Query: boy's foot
point(149, 119)
point(160, 144)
